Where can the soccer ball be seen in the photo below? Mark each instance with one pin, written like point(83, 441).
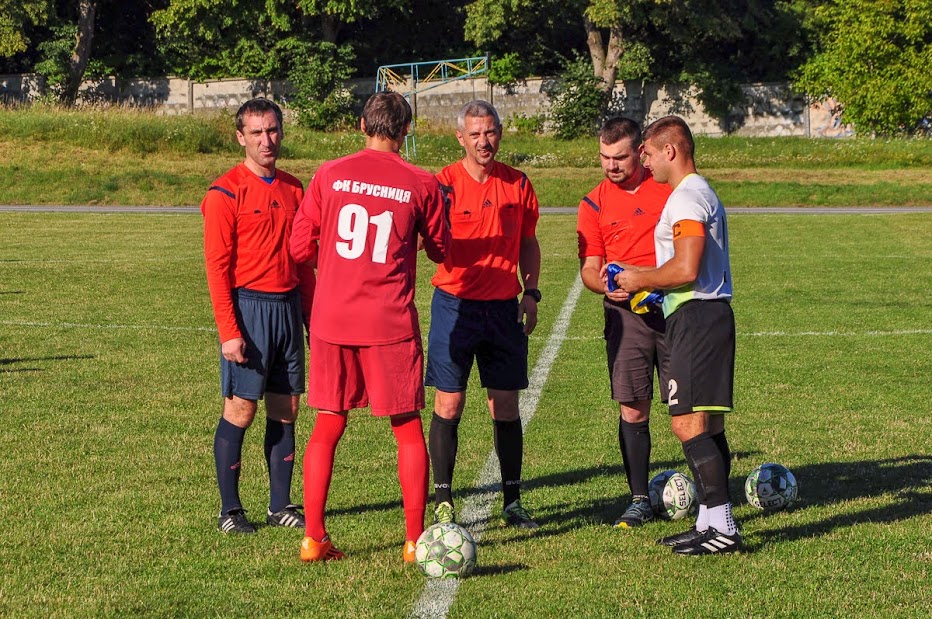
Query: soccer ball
point(770, 487)
point(446, 550)
point(672, 495)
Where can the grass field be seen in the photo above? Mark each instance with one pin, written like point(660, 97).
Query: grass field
point(123, 157)
point(110, 398)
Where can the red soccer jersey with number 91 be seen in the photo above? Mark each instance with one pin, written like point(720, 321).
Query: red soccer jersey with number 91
point(364, 213)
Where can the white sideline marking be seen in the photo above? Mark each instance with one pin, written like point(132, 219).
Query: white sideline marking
point(437, 595)
point(582, 338)
point(565, 338)
point(75, 325)
point(836, 333)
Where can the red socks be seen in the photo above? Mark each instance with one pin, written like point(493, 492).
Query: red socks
point(318, 470)
point(412, 472)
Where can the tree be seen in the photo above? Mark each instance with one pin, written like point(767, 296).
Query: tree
point(712, 44)
point(15, 15)
point(612, 30)
point(255, 38)
point(873, 58)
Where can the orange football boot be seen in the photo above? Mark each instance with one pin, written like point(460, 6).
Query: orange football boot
point(324, 550)
point(408, 552)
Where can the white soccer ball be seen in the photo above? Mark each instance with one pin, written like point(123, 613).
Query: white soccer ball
point(672, 495)
point(446, 550)
point(771, 487)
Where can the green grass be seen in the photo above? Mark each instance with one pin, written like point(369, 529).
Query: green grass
point(50, 156)
point(108, 376)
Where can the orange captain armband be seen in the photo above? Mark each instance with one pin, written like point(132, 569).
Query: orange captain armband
point(688, 227)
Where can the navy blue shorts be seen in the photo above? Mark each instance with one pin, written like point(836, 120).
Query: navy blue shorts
point(488, 331)
point(274, 332)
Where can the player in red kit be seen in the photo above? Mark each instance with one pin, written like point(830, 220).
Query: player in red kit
point(258, 296)
point(362, 217)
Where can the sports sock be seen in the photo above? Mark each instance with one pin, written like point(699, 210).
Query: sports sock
point(412, 472)
point(722, 520)
point(634, 439)
point(722, 443)
point(443, 441)
point(318, 470)
point(708, 469)
point(228, 449)
point(702, 518)
point(509, 445)
point(279, 455)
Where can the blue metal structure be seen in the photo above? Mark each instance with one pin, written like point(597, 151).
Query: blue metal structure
point(408, 79)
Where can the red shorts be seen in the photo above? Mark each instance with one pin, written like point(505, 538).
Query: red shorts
point(389, 378)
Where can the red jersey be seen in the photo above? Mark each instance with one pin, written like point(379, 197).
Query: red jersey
point(619, 226)
point(361, 216)
point(488, 221)
point(247, 224)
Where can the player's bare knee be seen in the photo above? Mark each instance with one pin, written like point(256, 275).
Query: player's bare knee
point(635, 412)
point(449, 405)
point(238, 411)
point(504, 405)
point(281, 407)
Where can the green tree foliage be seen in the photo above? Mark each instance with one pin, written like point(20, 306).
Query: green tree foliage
point(714, 45)
point(255, 38)
point(873, 59)
point(15, 17)
point(581, 103)
point(270, 39)
point(319, 73)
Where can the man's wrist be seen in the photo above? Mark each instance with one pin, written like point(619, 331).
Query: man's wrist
point(534, 293)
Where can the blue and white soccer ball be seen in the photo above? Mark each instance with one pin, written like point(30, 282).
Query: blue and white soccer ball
point(446, 550)
point(672, 495)
point(771, 487)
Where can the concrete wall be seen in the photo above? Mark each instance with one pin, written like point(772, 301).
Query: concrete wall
point(767, 109)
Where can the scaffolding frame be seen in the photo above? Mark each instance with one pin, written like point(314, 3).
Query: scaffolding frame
point(406, 79)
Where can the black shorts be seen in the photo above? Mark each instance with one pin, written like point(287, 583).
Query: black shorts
point(701, 340)
point(274, 332)
point(462, 330)
point(636, 346)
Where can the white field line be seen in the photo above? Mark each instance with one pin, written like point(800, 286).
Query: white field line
point(570, 338)
point(584, 338)
point(437, 595)
point(76, 325)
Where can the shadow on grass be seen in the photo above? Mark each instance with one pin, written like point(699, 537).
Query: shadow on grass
point(495, 570)
point(820, 484)
point(15, 360)
point(829, 483)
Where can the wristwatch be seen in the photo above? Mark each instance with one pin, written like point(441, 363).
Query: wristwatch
point(534, 293)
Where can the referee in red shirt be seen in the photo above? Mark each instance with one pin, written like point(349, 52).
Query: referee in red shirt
point(616, 223)
point(476, 313)
point(256, 291)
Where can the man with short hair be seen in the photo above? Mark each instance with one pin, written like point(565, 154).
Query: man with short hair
point(616, 223)
point(363, 216)
point(694, 270)
point(475, 312)
point(254, 290)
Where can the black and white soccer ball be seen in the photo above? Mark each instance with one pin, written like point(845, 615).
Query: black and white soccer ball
point(771, 487)
point(672, 495)
point(446, 550)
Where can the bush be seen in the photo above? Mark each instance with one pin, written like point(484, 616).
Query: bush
point(874, 60)
point(533, 124)
point(507, 71)
point(318, 74)
point(581, 101)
